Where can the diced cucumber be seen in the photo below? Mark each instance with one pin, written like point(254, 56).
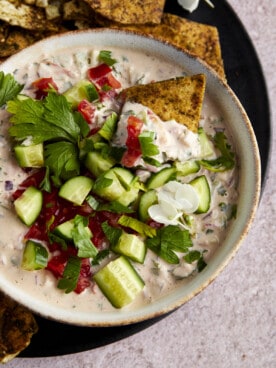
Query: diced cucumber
point(30, 156)
point(131, 246)
point(147, 199)
point(205, 143)
point(28, 205)
point(35, 256)
point(119, 282)
point(64, 230)
point(97, 164)
point(161, 177)
point(108, 186)
point(76, 189)
point(119, 188)
point(186, 168)
point(201, 185)
point(80, 91)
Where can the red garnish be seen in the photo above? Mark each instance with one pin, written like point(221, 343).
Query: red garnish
point(43, 86)
point(133, 152)
point(87, 109)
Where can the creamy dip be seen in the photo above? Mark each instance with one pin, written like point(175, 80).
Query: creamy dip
point(66, 68)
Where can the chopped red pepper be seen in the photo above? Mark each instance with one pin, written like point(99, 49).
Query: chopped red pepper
point(44, 85)
point(133, 152)
point(98, 71)
point(87, 109)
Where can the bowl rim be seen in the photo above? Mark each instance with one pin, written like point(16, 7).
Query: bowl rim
point(221, 260)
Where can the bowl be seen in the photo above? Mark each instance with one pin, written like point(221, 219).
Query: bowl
point(66, 309)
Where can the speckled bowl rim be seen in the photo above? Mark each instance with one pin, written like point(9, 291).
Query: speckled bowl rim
point(249, 161)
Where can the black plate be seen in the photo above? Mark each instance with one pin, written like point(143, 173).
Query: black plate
point(244, 75)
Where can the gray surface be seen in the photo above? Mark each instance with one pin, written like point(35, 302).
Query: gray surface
point(232, 322)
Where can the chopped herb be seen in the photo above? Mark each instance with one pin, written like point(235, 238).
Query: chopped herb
point(9, 88)
point(70, 276)
point(105, 57)
point(109, 127)
point(112, 233)
point(115, 207)
point(99, 257)
point(148, 148)
point(82, 238)
point(168, 240)
point(224, 162)
point(138, 226)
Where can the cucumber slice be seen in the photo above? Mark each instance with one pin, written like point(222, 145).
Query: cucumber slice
point(119, 188)
point(35, 256)
point(186, 168)
point(64, 230)
point(147, 199)
point(131, 246)
point(201, 185)
point(28, 205)
point(119, 282)
point(80, 91)
point(30, 156)
point(205, 143)
point(97, 164)
point(76, 189)
point(108, 186)
point(160, 178)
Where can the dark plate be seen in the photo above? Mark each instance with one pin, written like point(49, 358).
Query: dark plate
point(244, 75)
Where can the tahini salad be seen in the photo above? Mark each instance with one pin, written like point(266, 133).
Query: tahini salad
point(108, 185)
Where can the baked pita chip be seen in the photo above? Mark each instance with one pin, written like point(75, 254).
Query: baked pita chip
point(26, 16)
point(177, 99)
point(198, 39)
point(17, 326)
point(128, 11)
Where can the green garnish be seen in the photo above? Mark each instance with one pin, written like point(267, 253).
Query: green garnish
point(148, 148)
point(70, 276)
point(168, 240)
point(105, 57)
point(82, 238)
point(9, 88)
point(115, 207)
point(138, 226)
point(112, 233)
point(224, 162)
point(109, 127)
point(99, 257)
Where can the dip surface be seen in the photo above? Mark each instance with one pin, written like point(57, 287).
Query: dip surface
point(66, 68)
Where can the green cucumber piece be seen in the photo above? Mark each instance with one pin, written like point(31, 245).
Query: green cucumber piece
point(131, 246)
point(30, 156)
point(64, 230)
point(97, 164)
point(28, 205)
point(201, 186)
point(117, 184)
point(205, 143)
point(35, 256)
point(161, 177)
point(147, 199)
point(83, 90)
point(186, 168)
point(119, 282)
point(76, 189)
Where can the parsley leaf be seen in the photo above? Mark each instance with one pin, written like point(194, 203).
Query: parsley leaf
point(224, 162)
point(148, 148)
point(168, 240)
point(29, 121)
point(99, 257)
point(70, 276)
point(115, 207)
point(9, 88)
point(62, 160)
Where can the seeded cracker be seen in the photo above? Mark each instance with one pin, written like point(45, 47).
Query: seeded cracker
point(17, 326)
point(179, 99)
point(25, 16)
point(199, 39)
point(129, 11)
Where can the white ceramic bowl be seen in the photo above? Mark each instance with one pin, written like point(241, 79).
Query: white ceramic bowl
point(245, 145)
